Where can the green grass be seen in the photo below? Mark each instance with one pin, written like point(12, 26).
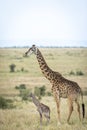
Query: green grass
point(63, 60)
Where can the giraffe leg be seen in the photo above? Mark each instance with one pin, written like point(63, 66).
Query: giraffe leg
point(70, 109)
point(47, 117)
point(57, 99)
point(40, 118)
point(58, 109)
point(78, 109)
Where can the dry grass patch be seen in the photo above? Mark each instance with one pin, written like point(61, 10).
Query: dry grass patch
point(26, 117)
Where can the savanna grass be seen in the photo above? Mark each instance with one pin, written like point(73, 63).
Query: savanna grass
point(25, 116)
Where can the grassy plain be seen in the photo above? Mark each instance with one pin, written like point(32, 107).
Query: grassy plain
point(25, 116)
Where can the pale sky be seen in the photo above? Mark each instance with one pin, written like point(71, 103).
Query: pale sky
point(42, 20)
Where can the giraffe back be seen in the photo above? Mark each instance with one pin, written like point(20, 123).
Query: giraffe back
point(66, 88)
point(45, 110)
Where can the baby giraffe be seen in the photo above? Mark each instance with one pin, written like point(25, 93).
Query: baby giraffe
point(41, 108)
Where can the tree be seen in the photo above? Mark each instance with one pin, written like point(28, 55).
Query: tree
point(12, 67)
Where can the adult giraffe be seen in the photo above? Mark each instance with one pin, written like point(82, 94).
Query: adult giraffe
point(61, 87)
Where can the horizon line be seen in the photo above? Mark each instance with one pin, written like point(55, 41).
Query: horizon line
point(48, 46)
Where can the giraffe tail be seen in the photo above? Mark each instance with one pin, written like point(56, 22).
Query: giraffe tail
point(83, 105)
point(83, 110)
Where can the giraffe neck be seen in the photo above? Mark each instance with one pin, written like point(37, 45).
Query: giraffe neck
point(48, 73)
point(35, 101)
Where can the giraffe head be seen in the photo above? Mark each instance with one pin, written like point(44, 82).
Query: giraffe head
point(31, 50)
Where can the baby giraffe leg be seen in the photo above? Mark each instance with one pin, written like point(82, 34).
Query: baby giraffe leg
point(70, 109)
point(47, 116)
point(48, 119)
point(40, 118)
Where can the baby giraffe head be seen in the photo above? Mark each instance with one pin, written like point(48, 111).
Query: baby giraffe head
point(30, 95)
point(31, 50)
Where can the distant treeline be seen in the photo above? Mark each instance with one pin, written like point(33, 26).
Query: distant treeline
point(46, 47)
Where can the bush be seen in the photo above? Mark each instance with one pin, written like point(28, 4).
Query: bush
point(12, 67)
point(24, 93)
point(71, 73)
point(16, 87)
point(22, 69)
point(5, 103)
point(79, 73)
point(48, 94)
point(40, 91)
point(37, 92)
point(21, 86)
point(76, 73)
